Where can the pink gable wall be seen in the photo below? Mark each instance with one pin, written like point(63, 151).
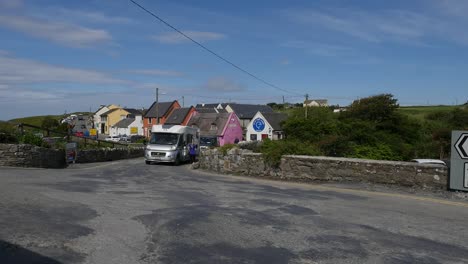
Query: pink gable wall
point(231, 131)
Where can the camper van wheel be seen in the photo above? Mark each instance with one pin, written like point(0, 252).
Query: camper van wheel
point(147, 162)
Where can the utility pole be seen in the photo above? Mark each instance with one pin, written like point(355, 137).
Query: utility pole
point(305, 102)
point(283, 99)
point(157, 106)
point(183, 101)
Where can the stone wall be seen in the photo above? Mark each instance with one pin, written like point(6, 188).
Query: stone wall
point(108, 154)
point(25, 155)
point(308, 168)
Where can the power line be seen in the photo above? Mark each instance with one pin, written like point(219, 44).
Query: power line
point(210, 51)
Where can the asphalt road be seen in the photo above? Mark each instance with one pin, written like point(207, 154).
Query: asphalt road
point(129, 212)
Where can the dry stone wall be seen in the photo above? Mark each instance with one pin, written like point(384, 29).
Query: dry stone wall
point(308, 168)
point(25, 155)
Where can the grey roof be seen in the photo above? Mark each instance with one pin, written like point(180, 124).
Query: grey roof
point(205, 110)
point(204, 122)
point(248, 111)
point(275, 119)
point(124, 123)
point(177, 116)
point(318, 101)
point(133, 111)
point(163, 108)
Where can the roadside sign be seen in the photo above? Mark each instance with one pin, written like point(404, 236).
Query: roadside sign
point(466, 175)
point(71, 151)
point(133, 130)
point(93, 132)
point(458, 161)
point(462, 146)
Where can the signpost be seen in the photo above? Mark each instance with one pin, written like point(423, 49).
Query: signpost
point(459, 161)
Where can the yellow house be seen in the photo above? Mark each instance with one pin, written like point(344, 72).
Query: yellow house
point(113, 116)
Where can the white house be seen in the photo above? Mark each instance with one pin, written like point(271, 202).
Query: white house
point(317, 102)
point(265, 125)
point(130, 126)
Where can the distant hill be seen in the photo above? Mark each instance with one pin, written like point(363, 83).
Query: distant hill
point(37, 120)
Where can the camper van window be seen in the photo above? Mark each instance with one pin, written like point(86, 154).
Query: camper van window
point(164, 139)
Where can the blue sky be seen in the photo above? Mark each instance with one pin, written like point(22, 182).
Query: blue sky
point(58, 56)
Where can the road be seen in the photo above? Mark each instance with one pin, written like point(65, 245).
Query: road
point(129, 212)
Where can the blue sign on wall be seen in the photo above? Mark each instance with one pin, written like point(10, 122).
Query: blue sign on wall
point(258, 124)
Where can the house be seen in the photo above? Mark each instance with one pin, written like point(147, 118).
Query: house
point(245, 112)
point(317, 102)
point(97, 121)
point(223, 127)
point(111, 117)
point(180, 116)
point(132, 124)
point(266, 125)
point(157, 114)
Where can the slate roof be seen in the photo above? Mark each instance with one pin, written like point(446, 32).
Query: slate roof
point(177, 116)
point(133, 111)
point(204, 122)
point(248, 111)
point(124, 123)
point(275, 119)
point(163, 109)
point(110, 111)
point(205, 110)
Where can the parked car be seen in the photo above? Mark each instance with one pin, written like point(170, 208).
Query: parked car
point(429, 161)
point(112, 138)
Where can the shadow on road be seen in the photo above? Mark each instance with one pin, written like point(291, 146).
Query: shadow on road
point(14, 254)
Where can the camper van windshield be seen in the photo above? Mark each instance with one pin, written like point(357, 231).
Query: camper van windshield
point(164, 139)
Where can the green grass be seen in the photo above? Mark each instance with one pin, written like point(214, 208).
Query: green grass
point(37, 120)
point(33, 120)
point(420, 112)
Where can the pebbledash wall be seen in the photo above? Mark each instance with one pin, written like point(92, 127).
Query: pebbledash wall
point(310, 168)
point(24, 155)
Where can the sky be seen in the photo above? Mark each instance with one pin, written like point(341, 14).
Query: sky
point(68, 56)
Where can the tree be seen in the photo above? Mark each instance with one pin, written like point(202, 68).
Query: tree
point(49, 123)
point(376, 108)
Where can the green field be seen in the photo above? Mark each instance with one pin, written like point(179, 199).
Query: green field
point(33, 120)
point(420, 112)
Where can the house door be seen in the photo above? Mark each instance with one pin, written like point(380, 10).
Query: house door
point(264, 136)
point(102, 128)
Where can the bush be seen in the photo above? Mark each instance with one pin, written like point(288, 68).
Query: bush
point(225, 148)
point(32, 139)
point(272, 151)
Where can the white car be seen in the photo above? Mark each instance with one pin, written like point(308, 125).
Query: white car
point(112, 138)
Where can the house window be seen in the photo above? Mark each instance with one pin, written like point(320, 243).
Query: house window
point(253, 136)
point(213, 126)
point(150, 121)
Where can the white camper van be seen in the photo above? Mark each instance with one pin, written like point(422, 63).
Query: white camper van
point(169, 143)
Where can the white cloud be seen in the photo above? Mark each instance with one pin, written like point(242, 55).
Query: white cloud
point(402, 26)
point(59, 32)
point(222, 84)
point(320, 49)
point(90, 16)
point(157, 72)
point(200, 36)
point(20, 71)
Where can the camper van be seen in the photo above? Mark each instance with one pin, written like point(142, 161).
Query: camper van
point(170, 143)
